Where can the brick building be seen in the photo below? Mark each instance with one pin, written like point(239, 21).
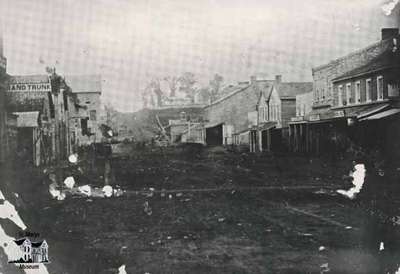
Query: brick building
point(368, 98)
point(244, 116)
point(234, 113)
point(275, 113)
point(327, 122)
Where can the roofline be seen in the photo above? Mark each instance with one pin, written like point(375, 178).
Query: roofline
point(350, 54)
point(227, 96)
point(338, 79)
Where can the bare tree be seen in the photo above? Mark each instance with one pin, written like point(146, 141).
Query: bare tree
point(187, 82)
point(172, 84)
point(215, 86)
point(154, 87)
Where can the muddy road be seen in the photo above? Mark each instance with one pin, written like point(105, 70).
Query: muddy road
point(209, 211)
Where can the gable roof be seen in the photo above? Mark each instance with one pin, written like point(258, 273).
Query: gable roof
point(291, 89)
point(230, 92)
point(21, 241)
point(84, 83)
point(387, 59)
point(264, 86)
point(377, 46)
point(37, 244)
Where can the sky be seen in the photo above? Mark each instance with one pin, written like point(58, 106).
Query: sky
point(131, 42)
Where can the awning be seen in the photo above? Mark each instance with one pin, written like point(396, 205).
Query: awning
point(363, 111)
point(214, 124)
point(242, 131)
point(27, 119)
point(383, 114)
point(324, 115)
point(267, 125)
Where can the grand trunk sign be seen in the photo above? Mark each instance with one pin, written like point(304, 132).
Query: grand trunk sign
point(15, 87)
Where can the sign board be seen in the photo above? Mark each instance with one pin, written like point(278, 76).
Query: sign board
point(297, 119)
point(314, 117)
point(15, 87)
point(338, 113)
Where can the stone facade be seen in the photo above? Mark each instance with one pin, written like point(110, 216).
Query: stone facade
point(233, 109)
point(323, 75)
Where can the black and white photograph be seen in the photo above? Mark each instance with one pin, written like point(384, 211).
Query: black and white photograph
point(199, 136)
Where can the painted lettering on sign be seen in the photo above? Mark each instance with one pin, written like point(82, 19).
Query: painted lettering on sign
point(297, 119)
point(314, 117)
point(30, 87)
point(338, 114)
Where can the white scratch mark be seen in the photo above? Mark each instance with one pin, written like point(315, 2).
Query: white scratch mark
point(388, 7)
point(121, 269)
point(358, 181)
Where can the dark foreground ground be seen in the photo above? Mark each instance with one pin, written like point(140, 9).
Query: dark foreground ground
point(212, 211)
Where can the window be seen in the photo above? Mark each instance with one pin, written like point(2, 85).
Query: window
point(329, 93)
point(393, 90)
point(368, 90)
point(279, 113)
point(340, 95)
point(348, 94)
point(358, 93)
point(379, 87)
point(265, 114)
point(92, 115)
point(322, 94)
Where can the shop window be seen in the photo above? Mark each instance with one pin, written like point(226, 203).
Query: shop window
point(368, 90)
point(264, 114)
point(379, 87)
point(393, 89)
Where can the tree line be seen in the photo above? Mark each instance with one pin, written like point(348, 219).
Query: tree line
point(158, 90)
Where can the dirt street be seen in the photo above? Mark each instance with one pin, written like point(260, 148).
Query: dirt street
point(204, 211)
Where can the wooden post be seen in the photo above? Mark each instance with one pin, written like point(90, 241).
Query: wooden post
point(290, 138)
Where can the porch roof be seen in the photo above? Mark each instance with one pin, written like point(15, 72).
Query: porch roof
point(364, 111)
point(267, 125)
point(382, 114)
point(27, 119)
point(208, 125)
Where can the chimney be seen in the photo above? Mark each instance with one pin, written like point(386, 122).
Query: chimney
point(388, 33)
point(278, 79)
point(253, 79)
